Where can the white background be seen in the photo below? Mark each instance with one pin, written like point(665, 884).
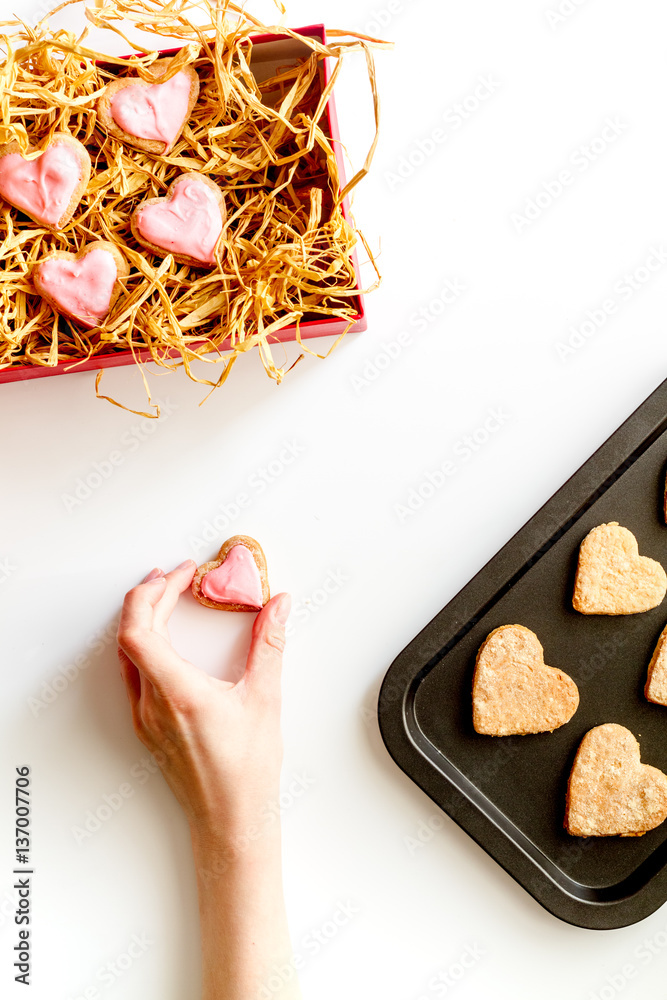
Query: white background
point(452, 217)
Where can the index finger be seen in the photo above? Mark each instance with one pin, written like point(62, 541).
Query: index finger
point(178, 581)
point(139, 603)
point(150, 652)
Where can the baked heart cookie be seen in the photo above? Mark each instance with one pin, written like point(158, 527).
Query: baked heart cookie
point(610, 792)
point(236, 580)
point(49, 188)
point(612, 578)
point(149, 116)
point(186, 223)
point(513, 691)
point(656, 680)
point(82, 286)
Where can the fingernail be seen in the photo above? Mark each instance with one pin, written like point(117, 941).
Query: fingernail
point(281, 608)
point(157, 579)
point(153, 575)
point(186, 564)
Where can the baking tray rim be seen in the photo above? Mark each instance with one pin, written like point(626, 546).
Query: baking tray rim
point(396, 698)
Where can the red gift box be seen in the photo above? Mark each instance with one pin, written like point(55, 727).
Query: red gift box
point(268, 52)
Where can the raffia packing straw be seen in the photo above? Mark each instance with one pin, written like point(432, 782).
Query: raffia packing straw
point(285, 251)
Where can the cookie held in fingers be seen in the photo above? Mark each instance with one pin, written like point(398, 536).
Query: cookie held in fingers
point(610, 792)
point(655, 689)
point(612, 578)
point(49, 188)
point(237, 580)
point(149, 116)
point(513, 691)
point(82, 286)
point(186, 223)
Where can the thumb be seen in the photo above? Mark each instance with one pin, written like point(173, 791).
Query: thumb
point(265, 658)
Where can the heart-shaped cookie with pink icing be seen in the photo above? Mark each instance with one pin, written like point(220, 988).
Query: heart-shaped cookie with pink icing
point(48, 188)
point(237, 580)
point(82, 286)
point(149, 115)
point(187, 222)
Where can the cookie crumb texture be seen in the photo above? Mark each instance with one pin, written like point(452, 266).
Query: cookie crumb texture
point(610, 792)
point(612, 578)
point(656, 681)
point(514, 692)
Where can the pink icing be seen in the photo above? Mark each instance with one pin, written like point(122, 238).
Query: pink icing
point(81, 288)
point(43, 187)
point(235, 581)
point(188, 223)
point(154, 110)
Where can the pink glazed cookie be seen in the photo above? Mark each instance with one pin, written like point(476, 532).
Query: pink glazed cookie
point(236, 580)
point(49, 188)
point(186, 223)
point(149, 116)
point(82, 286)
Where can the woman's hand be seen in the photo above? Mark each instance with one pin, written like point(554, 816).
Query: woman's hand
point(218, 743)
point(219, 748)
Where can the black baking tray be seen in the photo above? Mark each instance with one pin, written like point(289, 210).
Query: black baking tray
point(508, 793)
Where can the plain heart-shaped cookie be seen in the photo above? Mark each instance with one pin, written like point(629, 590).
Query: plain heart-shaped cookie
point(656, 680)
point(612, 578)
point(149, 115)
point(49, 188)
point(186, 223)
point(82, 286)
point(610, 792)
point(513, 691)
point(236, 580)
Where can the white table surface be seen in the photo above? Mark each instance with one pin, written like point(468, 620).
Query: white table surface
point(406, 916)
